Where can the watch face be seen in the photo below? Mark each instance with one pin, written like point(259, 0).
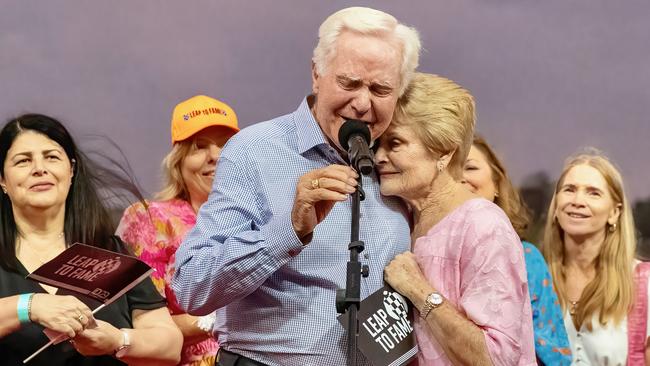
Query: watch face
point(435, 299)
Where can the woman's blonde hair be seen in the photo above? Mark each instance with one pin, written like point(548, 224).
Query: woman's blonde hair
point(174, 186)
point(442, 113)
point(610, 294)
point(507, 197)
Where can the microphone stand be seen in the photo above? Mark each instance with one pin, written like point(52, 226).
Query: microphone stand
point(349, 299)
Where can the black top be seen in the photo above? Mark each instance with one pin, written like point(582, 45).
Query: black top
point(17, 346)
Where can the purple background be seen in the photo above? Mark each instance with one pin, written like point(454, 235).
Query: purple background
point(549, 76)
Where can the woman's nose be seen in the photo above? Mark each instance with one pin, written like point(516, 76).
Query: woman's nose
point(214, 152)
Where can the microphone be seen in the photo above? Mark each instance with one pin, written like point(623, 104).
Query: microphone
point(354, 137)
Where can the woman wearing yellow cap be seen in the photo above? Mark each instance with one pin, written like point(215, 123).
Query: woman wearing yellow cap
point(200, 127)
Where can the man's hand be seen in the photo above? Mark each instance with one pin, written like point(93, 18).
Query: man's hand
point(316, 193)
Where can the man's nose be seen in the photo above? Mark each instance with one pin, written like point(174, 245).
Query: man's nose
point(361, 102)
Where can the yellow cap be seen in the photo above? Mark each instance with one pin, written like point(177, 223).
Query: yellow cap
point(199, 112)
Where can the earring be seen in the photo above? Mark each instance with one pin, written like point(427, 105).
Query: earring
point(441, 166)
point(612, 228)
point(496, 194)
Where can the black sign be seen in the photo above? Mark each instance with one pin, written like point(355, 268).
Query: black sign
point(94, 272)
point(386, 335)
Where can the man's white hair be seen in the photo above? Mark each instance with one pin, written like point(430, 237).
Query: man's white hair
point(367, 21)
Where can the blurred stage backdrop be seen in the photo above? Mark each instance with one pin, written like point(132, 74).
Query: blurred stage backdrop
point(549, 77)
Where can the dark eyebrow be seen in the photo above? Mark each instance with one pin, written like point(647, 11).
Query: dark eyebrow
point(29, 153)
point(26, 153)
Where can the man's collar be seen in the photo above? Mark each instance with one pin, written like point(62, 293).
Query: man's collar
point(308, 130)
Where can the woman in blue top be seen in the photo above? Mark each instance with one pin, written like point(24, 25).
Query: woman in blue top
point(485, 175)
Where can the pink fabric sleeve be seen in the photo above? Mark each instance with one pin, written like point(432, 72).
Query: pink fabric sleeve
point(494, 292)
point(137, 230)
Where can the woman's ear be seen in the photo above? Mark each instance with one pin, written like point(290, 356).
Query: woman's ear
point(73, 165)
point(446, 158)
point(615, 214)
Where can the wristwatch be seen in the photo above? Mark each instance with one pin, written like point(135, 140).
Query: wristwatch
point(432, 301)
point(126, 343)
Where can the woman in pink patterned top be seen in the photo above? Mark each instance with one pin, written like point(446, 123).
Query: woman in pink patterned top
point(200, 128)
point(466, 274)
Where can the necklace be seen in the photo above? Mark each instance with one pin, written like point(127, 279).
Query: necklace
point(573, 309)
point(36, 253)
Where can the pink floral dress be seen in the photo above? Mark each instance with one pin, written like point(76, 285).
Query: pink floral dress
point(154, 235)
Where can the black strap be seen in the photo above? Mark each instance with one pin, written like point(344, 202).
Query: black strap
point(227, 358)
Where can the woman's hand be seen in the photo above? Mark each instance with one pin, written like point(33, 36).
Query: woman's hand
point(188, 325)
point(102, 340)
point(404, 275)
point(64, 314)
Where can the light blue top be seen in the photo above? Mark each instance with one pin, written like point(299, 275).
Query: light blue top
point(276, 298)
point(551, 341)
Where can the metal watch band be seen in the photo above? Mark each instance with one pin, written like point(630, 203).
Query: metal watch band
point(126, 343)
point(430, 305)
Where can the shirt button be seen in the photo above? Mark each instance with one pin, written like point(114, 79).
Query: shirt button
point(366, 255)
point(579, 334)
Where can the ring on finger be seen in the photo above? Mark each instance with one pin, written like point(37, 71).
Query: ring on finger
point(315, 183)
point(81, 318)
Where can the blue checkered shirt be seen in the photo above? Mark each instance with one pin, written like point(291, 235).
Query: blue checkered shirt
point(276, 298)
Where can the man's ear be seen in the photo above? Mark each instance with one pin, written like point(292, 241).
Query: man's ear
point(314, 79)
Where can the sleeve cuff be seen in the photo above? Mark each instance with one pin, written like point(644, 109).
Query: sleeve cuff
point(282, 241)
